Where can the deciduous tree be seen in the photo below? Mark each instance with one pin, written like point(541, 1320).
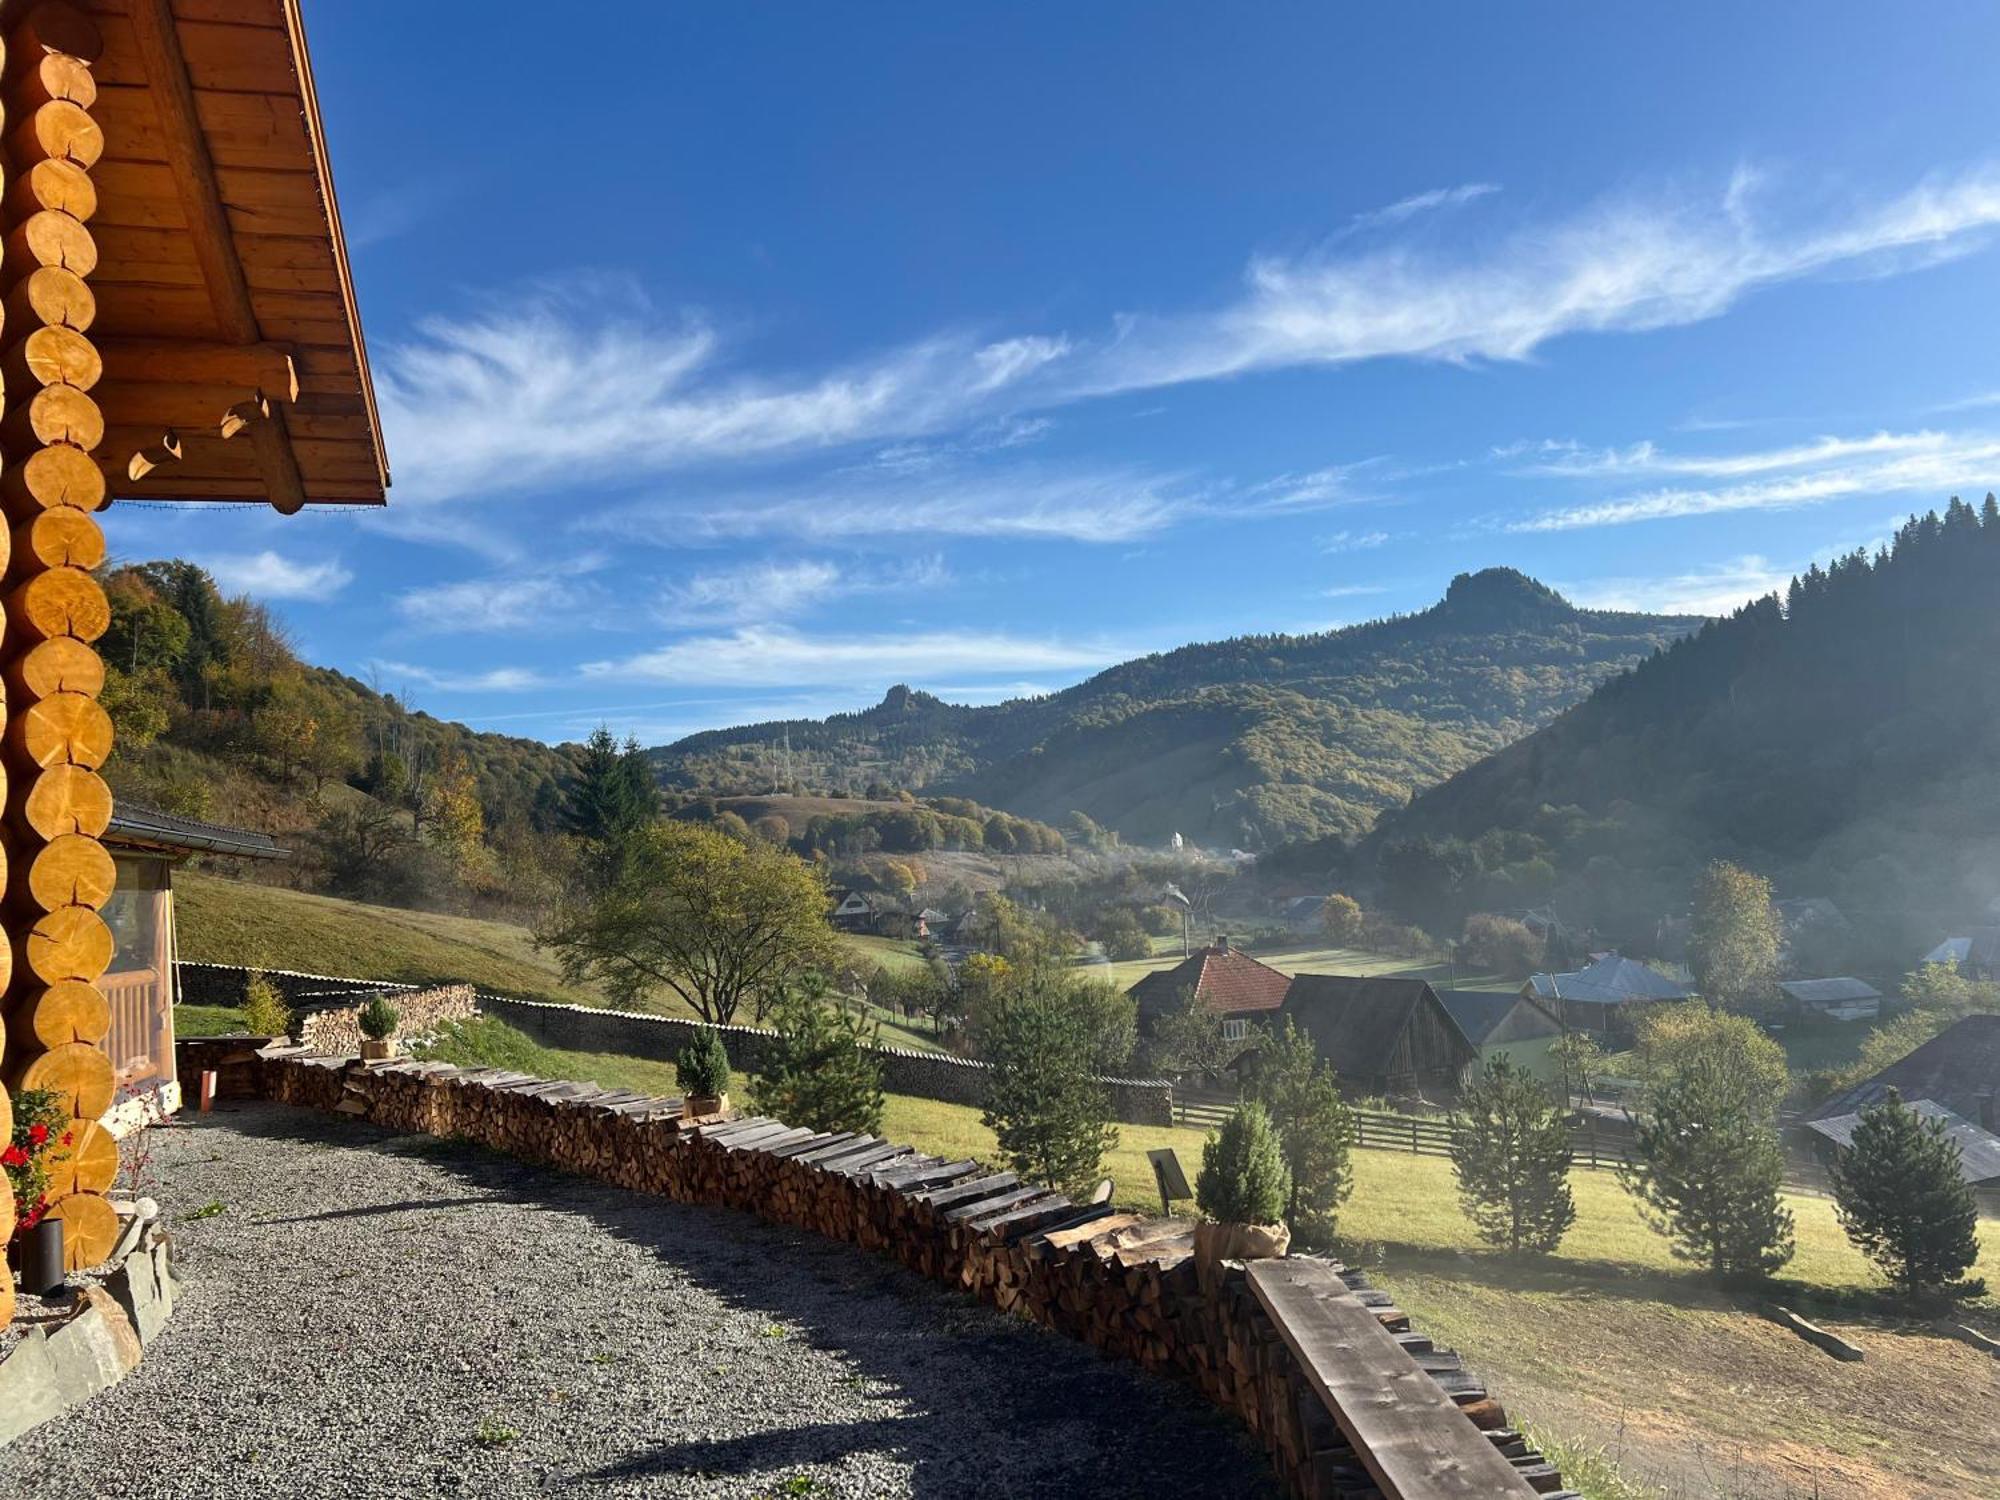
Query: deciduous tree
point(696, 913)
point(1733, 942)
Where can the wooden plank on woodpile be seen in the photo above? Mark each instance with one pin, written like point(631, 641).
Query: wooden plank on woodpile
point(850, 1166)
point(990, 1202)
point(874, 1175)
point(722, 1129)
point(959, 1192)
point(765, 1145)
point(1406, 1431)
point(744, 1139)
point(1025, 1219)
point(1081, 1231)
point(817, 1142)
point(907, 1178)
point(861, 1145)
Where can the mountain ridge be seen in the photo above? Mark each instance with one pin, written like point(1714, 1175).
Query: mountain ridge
point(1244, 741)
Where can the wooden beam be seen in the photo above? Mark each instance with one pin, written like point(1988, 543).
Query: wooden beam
point(264, 369)
point(1411, 1436)
point(158, 38)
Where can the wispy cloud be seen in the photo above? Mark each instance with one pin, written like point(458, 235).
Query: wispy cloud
point(1352, 590)
point(1626, 265)
point(539, 601)
point(548, 392)
point(1814, 473)
point(772, 656)
point(1353, 541)
point(270, 575)
point(491, 680)
point(1649, 458)
point(1079, 505)
point(764, 591)
point(1714, 590)
point(1423, 203)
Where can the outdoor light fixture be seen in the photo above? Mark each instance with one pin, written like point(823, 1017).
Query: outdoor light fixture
point(42, 1258)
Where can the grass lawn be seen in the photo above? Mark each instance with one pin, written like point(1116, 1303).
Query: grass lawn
point(1310, 957)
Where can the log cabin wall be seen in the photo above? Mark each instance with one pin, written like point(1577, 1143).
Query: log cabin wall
point(58, 873)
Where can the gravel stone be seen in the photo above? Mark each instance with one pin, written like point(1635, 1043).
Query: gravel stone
point(379, 1315)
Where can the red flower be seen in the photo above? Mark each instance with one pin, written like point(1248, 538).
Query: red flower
point(13, 1156)
point(38, 1135)
point(69, 1137)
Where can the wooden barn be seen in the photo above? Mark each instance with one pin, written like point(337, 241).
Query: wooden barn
point(180, 324)
point(1382, 1036)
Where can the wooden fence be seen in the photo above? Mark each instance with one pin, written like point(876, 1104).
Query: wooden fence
point(1433, 1137)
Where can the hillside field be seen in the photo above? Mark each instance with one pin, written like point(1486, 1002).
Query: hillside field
point(233, 922)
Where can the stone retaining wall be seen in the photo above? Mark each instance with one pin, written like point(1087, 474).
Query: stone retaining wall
point(927, 1075)
point(585, 1028)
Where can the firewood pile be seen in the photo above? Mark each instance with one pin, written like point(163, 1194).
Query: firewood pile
point(1122, 1282)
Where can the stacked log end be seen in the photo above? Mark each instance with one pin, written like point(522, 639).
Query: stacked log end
point(57, 873)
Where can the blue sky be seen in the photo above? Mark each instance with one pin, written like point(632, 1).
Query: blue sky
point(738, 361)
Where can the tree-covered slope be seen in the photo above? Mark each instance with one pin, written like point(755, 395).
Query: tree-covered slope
point(1842, 740)
point(1245, 741)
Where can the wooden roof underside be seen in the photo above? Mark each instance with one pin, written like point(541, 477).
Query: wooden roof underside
point(220, 256)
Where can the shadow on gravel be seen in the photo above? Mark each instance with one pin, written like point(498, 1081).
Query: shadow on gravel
point(987, 1404)
point(373, 1210)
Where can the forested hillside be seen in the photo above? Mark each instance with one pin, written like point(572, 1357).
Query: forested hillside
point(1241, 742)
point(1841, 740)
point(217, 717)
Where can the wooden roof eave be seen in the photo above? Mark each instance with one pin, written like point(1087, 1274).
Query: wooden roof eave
point(221, 237)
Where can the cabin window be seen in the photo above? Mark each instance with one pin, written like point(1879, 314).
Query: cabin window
point(139, 984)
point(1235, 1031)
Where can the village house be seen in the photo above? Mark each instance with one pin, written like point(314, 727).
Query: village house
point(1496, 1023)
point(1382, 1036)
point(1976, 955)
point(1602, 997)
point(1841, 999)
point(1954, 1077)
point(1224, 979)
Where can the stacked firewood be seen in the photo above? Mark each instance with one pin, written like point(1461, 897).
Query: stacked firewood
point(1122, 1282)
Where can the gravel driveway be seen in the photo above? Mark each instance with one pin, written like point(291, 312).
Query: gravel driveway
point(376, 1315)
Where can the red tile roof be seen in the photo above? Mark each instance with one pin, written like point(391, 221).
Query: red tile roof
point(1229, 982)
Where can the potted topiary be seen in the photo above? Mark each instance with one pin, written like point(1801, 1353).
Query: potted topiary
point(1242, 1191)
point(378, 1020)
point(703, 1070)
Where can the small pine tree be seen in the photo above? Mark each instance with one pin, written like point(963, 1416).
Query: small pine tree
point(377, 1019)
point(1511, 1151)
point(1314, 1125)
point(1045, 1107)
point(702, 1068)
point(1708, 1173)
point(817, 1072)
point(1243, 1178)
point(1904, 1202)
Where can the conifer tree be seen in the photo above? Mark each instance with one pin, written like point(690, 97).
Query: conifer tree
point(1904, 1202)
point(1708, 1173)
point(817, 1073)
point(1243, 1179)
point(1047, 1110)
point(1511, 1152)
point(1315, 1128)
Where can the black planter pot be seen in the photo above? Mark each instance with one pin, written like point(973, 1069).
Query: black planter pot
point(42, 1258)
